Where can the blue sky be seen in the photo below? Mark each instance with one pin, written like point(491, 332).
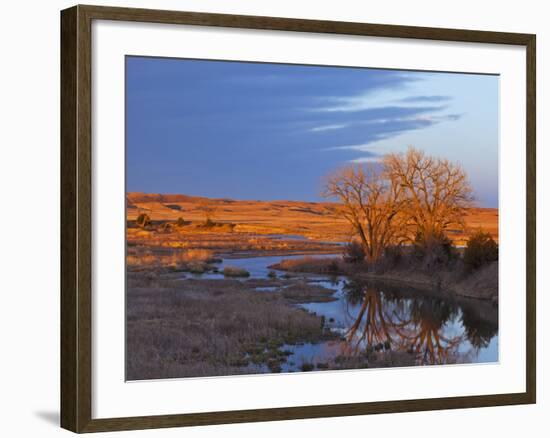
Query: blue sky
point(273, 131)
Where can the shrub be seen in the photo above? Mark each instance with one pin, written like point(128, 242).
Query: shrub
point(480, 250)
point(181, 222)
point(143, 220)
point(197, 267)
point(197, 255)
point(209, 223)
point(165, 227)
point(308, 264)
point(393, 254)
point(435, 252)
point(354, 252)
point(233, 271)
point(332, 267)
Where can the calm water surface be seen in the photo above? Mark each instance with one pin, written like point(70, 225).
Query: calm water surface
point(368, 316)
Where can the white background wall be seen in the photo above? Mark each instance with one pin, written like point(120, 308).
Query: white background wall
point(29, 215)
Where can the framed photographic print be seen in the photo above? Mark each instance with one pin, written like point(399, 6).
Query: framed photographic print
point(260, 213)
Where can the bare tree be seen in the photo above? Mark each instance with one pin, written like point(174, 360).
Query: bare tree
point(371, 204)
point(436, 192)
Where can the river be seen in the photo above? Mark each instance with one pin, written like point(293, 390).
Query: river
point(438, 329)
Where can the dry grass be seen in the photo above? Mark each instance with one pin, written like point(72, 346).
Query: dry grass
point(310, 265)
point(303, 292)
point(315, 220)
point(137, 259)
point(133, 261)
point(233, 271)
point(204, 328)
point(218, 241)
point(197, 255)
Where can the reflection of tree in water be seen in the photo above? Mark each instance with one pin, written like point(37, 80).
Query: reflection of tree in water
point(370, 326)
point(421, 331)
point(478, 331)
point(413, 324)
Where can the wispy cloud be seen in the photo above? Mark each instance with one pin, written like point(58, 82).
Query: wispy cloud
point(375, 101)
point(419, 117)
point(359, 102)
point(328, 127)
point(377, 98)
point(450, 117)
point(424, 99)
point(384, 121)
point(367, 159)
point(352, 147)
point(392, 126)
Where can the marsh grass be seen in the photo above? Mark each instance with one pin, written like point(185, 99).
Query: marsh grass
point(306, 293)
point(190, 259)
point(221, 237)
point(233, 271)
point(196, 328)
point(310, 265)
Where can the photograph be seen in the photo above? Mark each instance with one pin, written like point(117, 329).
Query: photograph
point(289, 218)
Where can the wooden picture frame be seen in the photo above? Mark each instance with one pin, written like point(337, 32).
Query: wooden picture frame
point(76, 217)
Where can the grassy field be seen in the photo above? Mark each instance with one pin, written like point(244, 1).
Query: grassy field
point(312, 220)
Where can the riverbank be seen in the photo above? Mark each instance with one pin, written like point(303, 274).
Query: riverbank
point(480, 284)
